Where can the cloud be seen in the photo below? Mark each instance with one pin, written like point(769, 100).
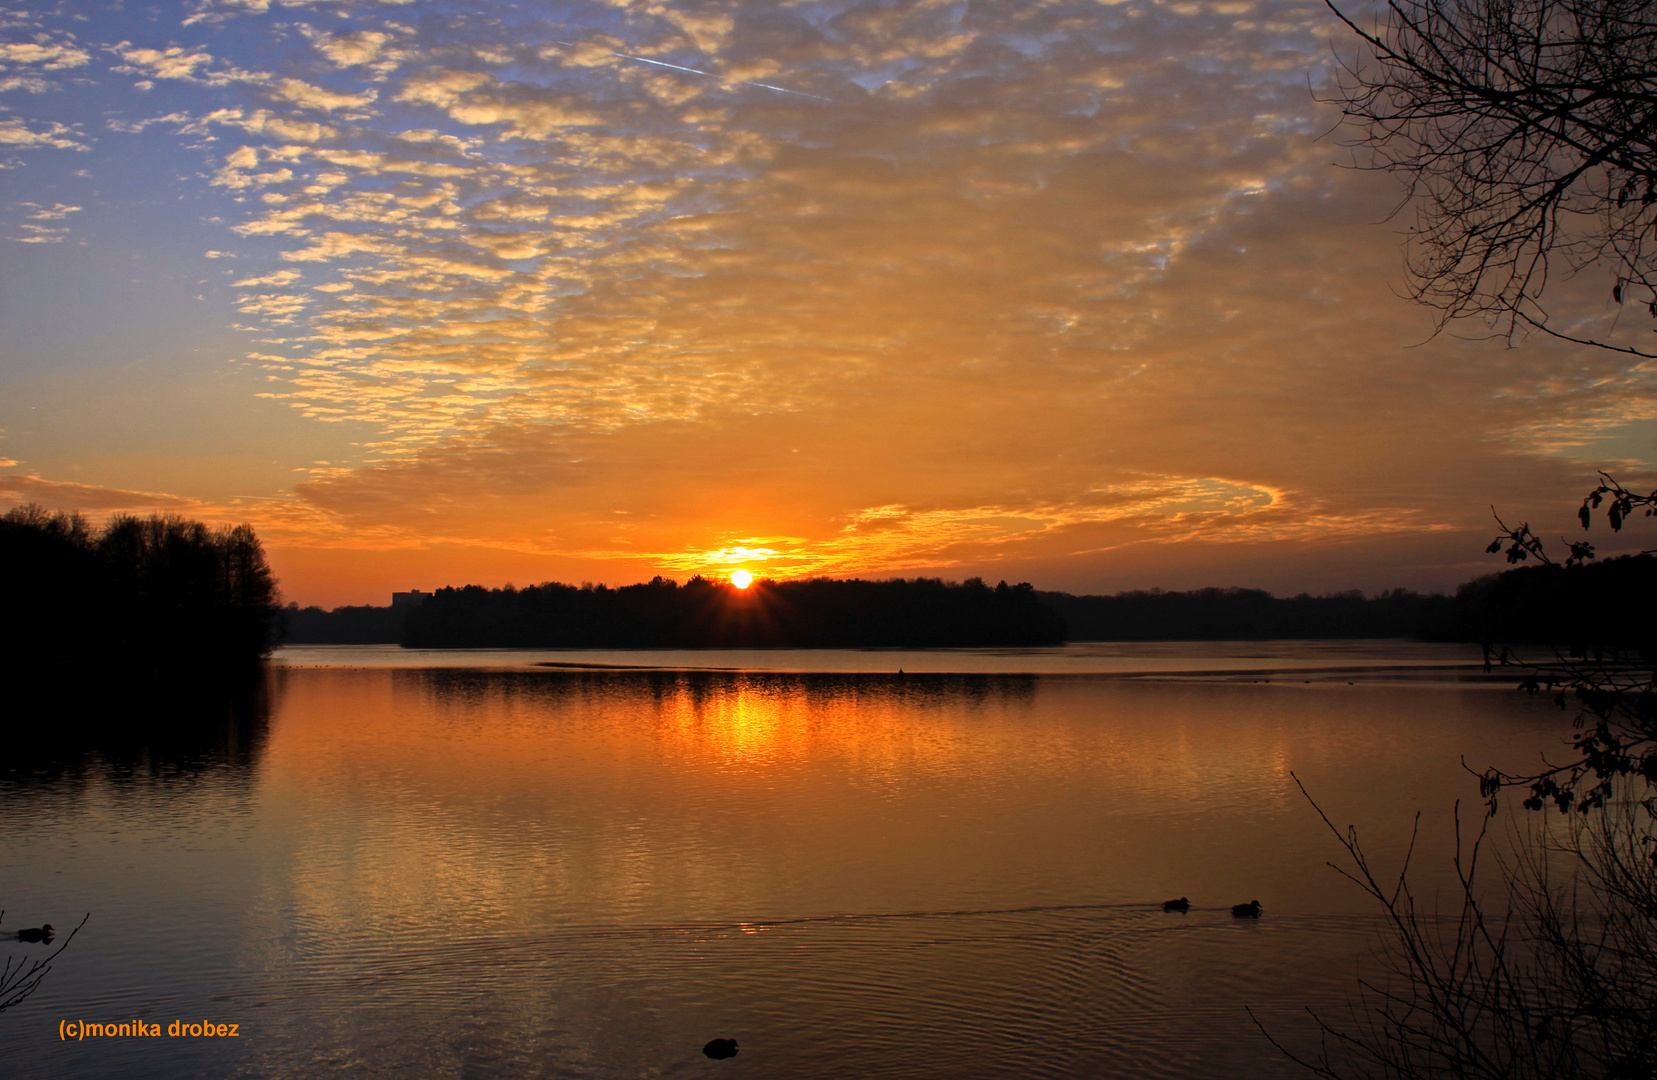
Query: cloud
point(279, 277)
point(134, 127)
point(358, 48)
point(58, 495)
point(36, 228)
point(307, 96)
point(48, 56)
point(210, 11)
point(278, 309)
point(174, 62)
point(288, 129)
point(55, 212)
point(854, 287)
point(22, 63)
point(19, 135)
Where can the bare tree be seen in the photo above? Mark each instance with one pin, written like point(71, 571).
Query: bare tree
point(1545, 975)
point(1549, 971)
point(1526, 134)
point(21, 977)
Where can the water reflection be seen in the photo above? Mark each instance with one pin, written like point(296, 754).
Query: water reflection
point(758, 715)
point(590, 873)
point(166, 727)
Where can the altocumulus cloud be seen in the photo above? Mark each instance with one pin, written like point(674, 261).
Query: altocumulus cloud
point(840, 286)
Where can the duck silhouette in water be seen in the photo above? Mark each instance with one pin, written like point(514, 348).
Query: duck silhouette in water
point(720, 1048)
point(42, 934)
point(1250, 910)
point(1182, 904)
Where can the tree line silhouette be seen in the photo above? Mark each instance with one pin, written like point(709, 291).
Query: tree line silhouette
point(1581, 605)
point(136, 593)
point(811, 613)
point(1577, 608)
point(357, 624)
point(1255, 615)
point(1529, 604)
point(164, 589)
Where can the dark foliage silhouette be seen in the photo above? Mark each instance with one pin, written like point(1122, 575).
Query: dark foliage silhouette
point(1256, 615)
point(138, 592)
point(814, 613)
point(1581, 608)
point(362, 624)
point(1600, 656)
point(1152, 615)
point(1523, 130)
point(1496, 607)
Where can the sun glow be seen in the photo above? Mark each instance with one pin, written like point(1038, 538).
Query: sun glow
point(741, 578)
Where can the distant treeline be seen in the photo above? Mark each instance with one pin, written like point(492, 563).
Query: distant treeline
point(359, 625)
point(823, 612)
point(1600, 604)
point(814, 613)
point(1253, 614)
point(1597, 604)
point(1609, 604)
point(139, 591)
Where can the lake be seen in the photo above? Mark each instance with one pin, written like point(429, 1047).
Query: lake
point(472, 864)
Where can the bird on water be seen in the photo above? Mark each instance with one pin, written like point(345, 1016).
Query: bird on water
point(720, 1048)
point(36, 933)
point(1182, 904)
point(1250, 910)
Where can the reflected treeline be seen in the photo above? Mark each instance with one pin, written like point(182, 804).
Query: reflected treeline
point(557, 685)
point(156, 726)
point(137, 593)
point(817, 613)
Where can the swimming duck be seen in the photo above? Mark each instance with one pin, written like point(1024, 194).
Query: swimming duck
point(720, 1048)
point(36, 933)
point(1182, 904)
point(1250, 910)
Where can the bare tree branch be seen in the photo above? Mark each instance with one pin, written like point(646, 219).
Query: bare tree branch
point(1525, 132)
point(21, 977)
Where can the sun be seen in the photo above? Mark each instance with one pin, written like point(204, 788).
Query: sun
point(741, 578)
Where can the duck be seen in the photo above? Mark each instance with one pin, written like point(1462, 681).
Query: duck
point(720, 1048)
point(1250, 910)
point(1182, 904)
point(36, 933)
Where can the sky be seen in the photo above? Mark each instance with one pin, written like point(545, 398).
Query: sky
point(1085, 294)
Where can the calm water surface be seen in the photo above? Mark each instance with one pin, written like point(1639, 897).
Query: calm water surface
point(476, 866)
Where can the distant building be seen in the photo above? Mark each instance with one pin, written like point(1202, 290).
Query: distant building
point(412, 598)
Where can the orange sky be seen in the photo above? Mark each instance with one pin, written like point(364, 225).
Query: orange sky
point(1071, 292)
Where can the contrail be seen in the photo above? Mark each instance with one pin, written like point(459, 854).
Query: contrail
point(708, 74)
